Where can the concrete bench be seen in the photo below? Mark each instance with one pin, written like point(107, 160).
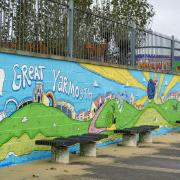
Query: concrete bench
point(59, 146)
point(130, 134)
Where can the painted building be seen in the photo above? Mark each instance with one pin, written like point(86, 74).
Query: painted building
point(66, 108)
point(97, 104)
point(38, 92)
point(82, 116)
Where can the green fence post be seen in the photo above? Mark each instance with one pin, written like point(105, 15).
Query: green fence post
point(0, 27)
point(70, 28)
point(172, 53)
point(133, 45)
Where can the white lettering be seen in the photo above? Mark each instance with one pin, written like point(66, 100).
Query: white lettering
point(16, 78)
point(55, 79)
point(31, 72)
point(63, 85)
point(60, 84)
point(77, 92)
point(36, 73)
point(2, 77)
point(71, 89)
point(24, 75)
point(41, 72)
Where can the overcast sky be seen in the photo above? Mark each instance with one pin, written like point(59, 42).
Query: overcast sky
point(167, 18)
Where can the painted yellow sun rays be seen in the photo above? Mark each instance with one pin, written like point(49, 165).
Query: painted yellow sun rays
point(147, 75)
point(174, 81)
point(119, 75)
point(141, 101)
point(123, 76)
point(155, 76)
point(157, 99)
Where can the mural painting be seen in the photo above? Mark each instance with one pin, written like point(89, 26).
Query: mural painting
point(43, 98)
point(158, 62)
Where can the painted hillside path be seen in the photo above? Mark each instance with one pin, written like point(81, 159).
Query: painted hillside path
point(92, 128)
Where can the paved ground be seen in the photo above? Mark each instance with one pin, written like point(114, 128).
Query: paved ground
point(161, 160)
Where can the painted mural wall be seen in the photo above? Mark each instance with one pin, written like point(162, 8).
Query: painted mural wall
point(45, 98)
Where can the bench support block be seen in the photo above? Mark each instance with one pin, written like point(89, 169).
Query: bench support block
point(129, 140)
point(60, 155)
point(88, 149)
point(145, 137)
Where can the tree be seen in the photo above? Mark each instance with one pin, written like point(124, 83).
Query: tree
point(24, 26)
point(126, 13)
point(7, 18)
point(52, 21)
point(83, 4)
point(112, 26)
point(29, 23)
point(138, 12)
point(45, 21)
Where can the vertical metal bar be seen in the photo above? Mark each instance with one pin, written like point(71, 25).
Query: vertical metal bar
point(133, 45)
point(172, 53)
point(0, 28)
point(70, 31)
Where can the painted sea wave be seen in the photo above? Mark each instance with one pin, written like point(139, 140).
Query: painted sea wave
point(12, 159)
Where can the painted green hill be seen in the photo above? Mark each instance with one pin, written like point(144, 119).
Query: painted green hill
point(125, 118)
point(170, 110)
point(151, 117)
point(164, 114)
point(37, 118)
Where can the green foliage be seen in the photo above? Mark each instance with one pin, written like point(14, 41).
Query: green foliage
point(42, 25)
point(29, 23)
point(138, 12)
point(83, 4)
point(113, 23)
point(133, 11)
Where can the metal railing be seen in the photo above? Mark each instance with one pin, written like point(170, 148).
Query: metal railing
point(102, 40)
point(58, 28)
point(34, 26)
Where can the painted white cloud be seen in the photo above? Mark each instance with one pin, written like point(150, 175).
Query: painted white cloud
point(2, 77)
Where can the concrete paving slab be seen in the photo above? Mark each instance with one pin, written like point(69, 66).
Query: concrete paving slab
point(157, 161)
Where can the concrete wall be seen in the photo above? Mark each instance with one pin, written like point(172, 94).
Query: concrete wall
point(45, 98)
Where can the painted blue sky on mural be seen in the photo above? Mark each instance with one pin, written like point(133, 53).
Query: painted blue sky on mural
point(69, 81)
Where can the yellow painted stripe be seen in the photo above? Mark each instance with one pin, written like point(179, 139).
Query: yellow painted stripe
point(155, 76)
point(173, 82)
point(119, 75)
point(141, 101)
point(160, 84)
point(147, 75)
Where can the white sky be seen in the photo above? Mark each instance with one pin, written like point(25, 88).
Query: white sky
point(167, 17)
